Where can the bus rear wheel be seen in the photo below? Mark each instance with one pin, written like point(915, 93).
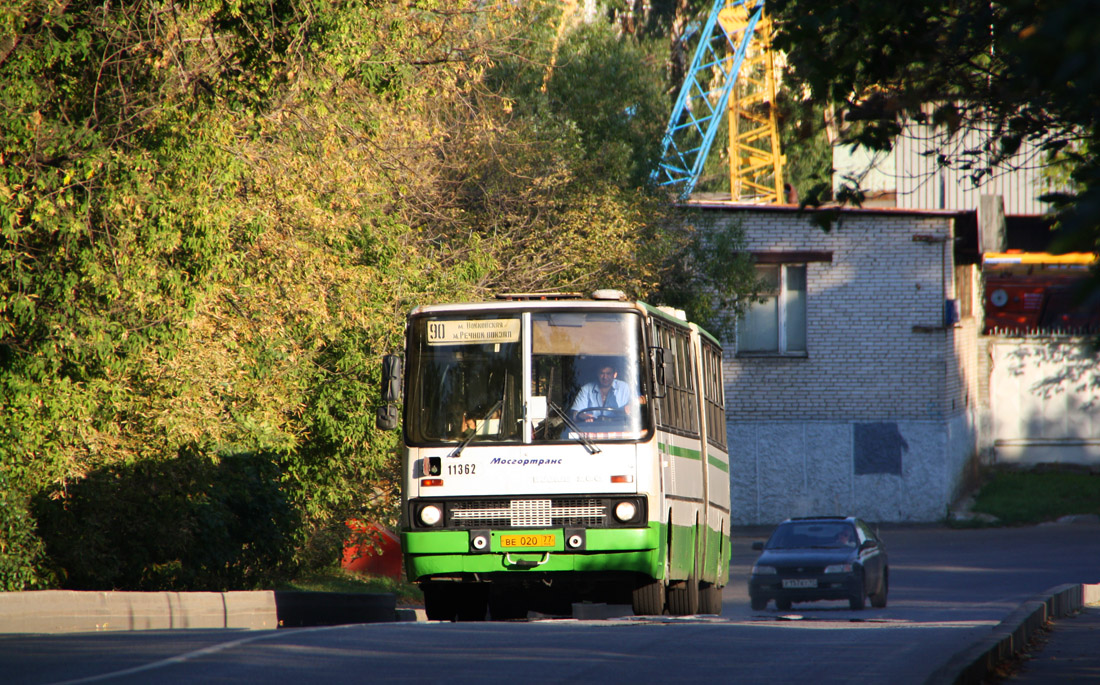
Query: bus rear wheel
point(710, 599)
point(683, 598)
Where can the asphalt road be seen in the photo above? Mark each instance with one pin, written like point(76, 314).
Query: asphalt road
point(948, 589)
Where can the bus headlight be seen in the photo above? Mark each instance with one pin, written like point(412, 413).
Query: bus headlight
point(430, 514)
point(625, 511)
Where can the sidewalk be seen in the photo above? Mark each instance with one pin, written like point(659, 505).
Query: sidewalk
point(1071, 652)
point(1072, 647)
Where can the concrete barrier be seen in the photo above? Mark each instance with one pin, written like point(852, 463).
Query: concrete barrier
point(1011, 636)
point(67, 611)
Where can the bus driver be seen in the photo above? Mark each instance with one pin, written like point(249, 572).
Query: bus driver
point(608, 392)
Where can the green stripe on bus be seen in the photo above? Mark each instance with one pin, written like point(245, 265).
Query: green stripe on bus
point(717, 463)
point(676, 451)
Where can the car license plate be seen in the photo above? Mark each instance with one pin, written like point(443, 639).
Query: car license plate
point(528, 540)
point(790, 583)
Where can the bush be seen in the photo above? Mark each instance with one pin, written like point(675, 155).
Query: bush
point(189, 523)
point(21, 551)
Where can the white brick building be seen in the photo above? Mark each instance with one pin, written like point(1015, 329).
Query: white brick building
point(868, 405)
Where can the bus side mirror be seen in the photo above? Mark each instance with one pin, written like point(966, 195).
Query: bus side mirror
point(388, 415)
point(657, 354)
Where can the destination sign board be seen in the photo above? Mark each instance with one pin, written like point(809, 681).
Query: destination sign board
point(473, 331)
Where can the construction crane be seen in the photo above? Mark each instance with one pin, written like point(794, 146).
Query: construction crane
point(732, 71)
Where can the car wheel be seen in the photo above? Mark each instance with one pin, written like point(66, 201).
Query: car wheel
point(758, 603)
point(859, 594)
point(783, 604)
point(878, 600)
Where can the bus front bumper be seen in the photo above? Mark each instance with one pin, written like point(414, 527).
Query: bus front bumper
point(444, 552)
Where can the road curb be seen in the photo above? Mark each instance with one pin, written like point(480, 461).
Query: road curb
point(69, 611)
point(1011, 636)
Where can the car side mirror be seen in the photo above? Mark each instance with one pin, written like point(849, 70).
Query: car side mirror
point(867, 544)
point(758, 546)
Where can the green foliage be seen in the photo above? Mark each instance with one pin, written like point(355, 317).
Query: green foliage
point(809, 155)
point(612, 89)
point(708, 275)
point(186, 523)
point(213, 222)
point(21, 552)
point(1020, 498)
point(1015, 71)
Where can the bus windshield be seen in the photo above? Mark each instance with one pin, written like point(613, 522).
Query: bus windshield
point(466, 377)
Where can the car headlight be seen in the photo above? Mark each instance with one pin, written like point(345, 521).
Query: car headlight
point(759, 570)
point(839, 568)
point(430, 514)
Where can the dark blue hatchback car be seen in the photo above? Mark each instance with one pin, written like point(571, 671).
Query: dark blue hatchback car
point(825, 557)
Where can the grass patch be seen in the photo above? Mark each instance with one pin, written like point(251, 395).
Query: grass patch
point(337, 579)
point(1021, 498)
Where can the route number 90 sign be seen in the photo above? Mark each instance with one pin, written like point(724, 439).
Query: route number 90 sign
point(473, 331)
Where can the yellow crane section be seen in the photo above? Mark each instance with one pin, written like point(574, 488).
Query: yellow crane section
point(756, 161)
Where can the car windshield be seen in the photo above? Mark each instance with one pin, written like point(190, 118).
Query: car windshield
point(816, 534)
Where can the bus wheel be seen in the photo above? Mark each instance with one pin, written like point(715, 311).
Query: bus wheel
point(649, 598)
point(440, 601)
point(710, 599)
point(683, 598)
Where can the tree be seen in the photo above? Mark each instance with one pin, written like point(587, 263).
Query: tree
point(214, 217)
point(1017, 70)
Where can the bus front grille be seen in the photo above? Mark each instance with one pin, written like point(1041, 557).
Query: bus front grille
point(528, 513)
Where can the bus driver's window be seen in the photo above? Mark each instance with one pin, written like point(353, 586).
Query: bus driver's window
point(602, 396)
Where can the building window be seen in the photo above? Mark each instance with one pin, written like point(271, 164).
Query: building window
point(777, 324)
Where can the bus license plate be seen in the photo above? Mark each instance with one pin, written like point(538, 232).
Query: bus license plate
point(799, 582)
point(530, 540)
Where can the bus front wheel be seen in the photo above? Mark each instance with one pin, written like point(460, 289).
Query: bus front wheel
point(649, 598)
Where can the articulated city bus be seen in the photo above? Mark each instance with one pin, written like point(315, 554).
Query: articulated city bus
point(561, 449)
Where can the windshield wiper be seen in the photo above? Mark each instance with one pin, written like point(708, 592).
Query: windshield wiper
point(473, 433)
point(592, 449)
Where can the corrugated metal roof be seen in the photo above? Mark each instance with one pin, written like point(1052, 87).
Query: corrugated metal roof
point(913, 170)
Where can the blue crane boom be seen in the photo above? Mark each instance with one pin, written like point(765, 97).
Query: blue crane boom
point(704, 96)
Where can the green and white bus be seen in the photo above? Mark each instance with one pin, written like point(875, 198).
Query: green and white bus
point(561, 449)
